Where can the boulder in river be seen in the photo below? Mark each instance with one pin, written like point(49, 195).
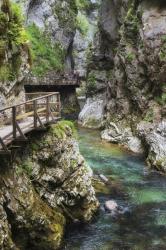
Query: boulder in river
point(103, 178)
point(111, 206)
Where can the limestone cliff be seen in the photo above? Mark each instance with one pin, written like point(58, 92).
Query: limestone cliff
point(47, 185)
point(129, 54)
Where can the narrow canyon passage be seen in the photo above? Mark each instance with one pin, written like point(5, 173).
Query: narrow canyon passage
point(139, 190)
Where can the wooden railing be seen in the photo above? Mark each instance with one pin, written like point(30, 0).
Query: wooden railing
point(30, 115)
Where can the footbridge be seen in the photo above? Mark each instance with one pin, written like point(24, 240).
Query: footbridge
point(33, 114)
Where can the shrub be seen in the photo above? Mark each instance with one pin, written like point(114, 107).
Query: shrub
point(162, 99)
point(82, 24)
point(66, 14)
point(130, 57)
point(13, 37)
point(86, 5)
point(82, 4)
point(45, 55)
point(149, 116)
point(4, 72)
point(16, 32)
point(91, 85)
point(60, 129)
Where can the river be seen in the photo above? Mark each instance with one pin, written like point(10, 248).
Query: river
point(135, 187)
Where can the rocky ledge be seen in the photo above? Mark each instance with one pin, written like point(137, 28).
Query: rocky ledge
point(48, 186)
point(148, 137)
point(154, 137)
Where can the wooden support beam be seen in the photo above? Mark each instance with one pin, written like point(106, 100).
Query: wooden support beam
point(35, 112)
point(3, 152)
point(39, 120)
point(52, 116)
point(14, 122)
point(4, 147)
point(23, 137)
point(47, 109)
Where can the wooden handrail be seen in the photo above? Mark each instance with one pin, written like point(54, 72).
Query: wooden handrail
point(29, 101)
point(29, 118)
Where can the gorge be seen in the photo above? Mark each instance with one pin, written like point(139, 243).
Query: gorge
point(107, 59)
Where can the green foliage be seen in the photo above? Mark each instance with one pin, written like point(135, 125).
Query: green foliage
point(26, 167)
point(13, 38)
point(3, 24)
point(162, 53)
point(4, 72)
point(110, 75)
point(86, 5)
point(45, 55)
point(2, 50)
point(91, 84)
point(82, 24)
point(62, 128)
point(16, 32)
point(162, 99)
point(130, 57)
point(34, 146)
point(66, 14)
point(149, 116)
point(132, 24)
point(163, 38)
point(82, 4)
point(70, 109)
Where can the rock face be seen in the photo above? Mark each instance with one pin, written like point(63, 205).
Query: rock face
point(99, 64)
point(26, 221)
point(135, 88)
point(88, 17)
point(48, 184)
point(66, 179)
point(131, 50)
point(57, 18)
point(14, 55)
point(92, 113)
point(155, 139)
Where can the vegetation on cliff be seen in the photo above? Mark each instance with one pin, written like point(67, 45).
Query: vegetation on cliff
point(13, 40)
point(45, 54)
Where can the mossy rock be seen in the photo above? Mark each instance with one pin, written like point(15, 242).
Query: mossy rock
point(63, 128)
point(100, 187)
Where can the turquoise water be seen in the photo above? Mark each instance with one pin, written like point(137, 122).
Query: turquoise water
point(141, 190)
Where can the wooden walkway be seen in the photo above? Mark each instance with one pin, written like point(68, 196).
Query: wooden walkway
point(35, 114)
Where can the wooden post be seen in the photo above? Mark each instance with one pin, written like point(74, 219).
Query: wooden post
point(14, 122)
point(59, 104)
point(47, 109)
point(35, 113)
